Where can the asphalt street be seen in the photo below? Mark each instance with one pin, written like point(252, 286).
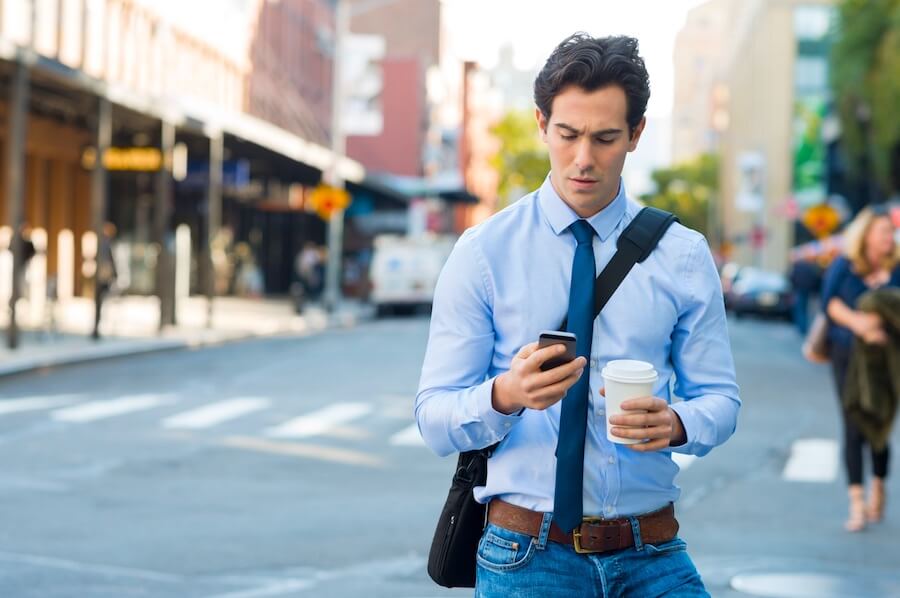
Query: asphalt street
point(291, 467)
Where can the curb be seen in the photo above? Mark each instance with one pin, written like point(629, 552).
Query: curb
point(131, 347)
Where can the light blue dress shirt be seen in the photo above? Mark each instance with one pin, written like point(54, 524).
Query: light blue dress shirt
point(508, 279)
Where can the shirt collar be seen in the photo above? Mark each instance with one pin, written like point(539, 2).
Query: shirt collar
point(561, 216)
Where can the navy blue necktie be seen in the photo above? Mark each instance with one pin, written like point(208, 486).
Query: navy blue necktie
point(567, 505)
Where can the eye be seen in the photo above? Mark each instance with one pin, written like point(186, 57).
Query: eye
point(569, 137)
point(604, 141)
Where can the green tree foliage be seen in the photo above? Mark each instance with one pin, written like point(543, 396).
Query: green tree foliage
point(865, 72)
point(522, 161)
point(686, 190)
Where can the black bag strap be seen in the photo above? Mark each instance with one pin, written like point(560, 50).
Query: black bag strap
point(635, 244)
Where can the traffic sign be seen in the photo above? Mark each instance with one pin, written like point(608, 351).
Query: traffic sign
point(821, 220)
point(326, 200)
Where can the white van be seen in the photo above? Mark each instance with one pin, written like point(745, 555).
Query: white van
point(404, 270)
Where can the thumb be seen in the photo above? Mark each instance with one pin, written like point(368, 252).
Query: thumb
point(603, 391)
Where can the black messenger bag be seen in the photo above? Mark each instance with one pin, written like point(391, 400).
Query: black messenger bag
point(451, 560)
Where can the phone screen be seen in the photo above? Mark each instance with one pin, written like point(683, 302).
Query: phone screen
point(548, 338)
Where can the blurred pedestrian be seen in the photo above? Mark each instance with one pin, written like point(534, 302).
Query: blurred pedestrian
point(806, 280)
point(870, 261)
point(569, 512)
point(105, 274)
point(249, 278)
point(310, 267)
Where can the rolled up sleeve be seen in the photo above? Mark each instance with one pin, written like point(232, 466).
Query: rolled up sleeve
point(453, 408)
point(702, 360)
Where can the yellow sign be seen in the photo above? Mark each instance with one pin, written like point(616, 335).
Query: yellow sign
point(821, 220)
point(326, 200)
point(142, 159)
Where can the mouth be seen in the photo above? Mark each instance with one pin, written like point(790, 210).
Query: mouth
point(583, 182)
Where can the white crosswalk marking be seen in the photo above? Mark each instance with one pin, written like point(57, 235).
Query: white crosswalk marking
point(408, 436)
point(319, 422)
point(36, 403)
point(215, 413)
point(812, 460)
point(109, 408)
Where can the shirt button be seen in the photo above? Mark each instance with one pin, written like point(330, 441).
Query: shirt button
point(507, 424)
point(609, 509)
point(612, 459)
point(593, 364)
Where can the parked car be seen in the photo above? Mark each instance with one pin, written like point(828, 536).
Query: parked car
point(760, 292)
point(404, 270)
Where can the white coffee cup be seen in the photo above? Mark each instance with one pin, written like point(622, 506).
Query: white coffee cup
point(626, 379)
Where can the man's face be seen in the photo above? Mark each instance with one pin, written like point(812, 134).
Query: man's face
point(587, 138)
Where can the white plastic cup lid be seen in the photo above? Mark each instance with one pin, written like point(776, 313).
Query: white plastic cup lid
point(629, 370)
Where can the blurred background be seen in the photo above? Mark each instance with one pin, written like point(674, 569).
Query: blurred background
point(221, 224)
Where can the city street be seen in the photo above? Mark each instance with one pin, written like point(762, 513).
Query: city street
point(292, 467)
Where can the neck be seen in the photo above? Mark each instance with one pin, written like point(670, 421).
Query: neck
point(606, 198)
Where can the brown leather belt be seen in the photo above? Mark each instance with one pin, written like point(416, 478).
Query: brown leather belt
point(594, 534)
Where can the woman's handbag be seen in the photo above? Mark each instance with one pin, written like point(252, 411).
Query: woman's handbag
point(815, 346)
point(451, 560)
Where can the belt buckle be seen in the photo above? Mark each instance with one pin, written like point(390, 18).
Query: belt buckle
point(576, 535)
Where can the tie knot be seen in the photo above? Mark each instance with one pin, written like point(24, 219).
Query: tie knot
point(583, 231)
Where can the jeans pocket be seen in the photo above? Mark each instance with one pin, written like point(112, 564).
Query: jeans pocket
point(674, 545)
point(504, 550)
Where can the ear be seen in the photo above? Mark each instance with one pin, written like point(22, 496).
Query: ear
point(542, 123)
point(636, 136)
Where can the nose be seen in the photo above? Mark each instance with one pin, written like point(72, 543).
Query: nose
point(583, 159)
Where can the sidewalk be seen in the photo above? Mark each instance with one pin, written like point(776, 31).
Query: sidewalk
point(130, 325)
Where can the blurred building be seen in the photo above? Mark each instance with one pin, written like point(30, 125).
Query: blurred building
point(771, 91)
point(216, 115)
point(481, 109)
point(514, 85)
point(411, 31)
point(698, 61)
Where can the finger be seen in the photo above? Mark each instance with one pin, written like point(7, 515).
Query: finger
point(526, 351)
point(560, 372)
point(602, 391)
point(645, 403)
point(642, 433)
point(640, 420)
point(647, 447)
point(539, 356)
point(652, 432)
point(555, 392)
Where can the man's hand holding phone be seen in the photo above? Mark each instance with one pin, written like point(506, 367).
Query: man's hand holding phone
point(526, 385)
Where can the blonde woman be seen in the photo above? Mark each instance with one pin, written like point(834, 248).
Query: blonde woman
point(870, 261)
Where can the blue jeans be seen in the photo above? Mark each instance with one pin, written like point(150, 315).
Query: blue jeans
point(514, 565)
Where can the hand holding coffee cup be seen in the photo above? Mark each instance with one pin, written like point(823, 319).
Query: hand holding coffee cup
point(633, 415)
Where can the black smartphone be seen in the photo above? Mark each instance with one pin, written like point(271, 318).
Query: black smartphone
point(555, 337)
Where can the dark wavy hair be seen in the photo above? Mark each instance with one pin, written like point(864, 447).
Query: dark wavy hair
point(592, 63)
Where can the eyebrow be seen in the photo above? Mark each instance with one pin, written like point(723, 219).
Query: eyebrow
point(572, 129)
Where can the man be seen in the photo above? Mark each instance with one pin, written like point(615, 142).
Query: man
point(511, 277)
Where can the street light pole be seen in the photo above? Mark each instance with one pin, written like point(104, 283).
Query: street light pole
point(332, 292)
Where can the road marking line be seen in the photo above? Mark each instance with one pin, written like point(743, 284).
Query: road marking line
point(408, 436)
point(215, 413)
point(90, 568)
point(683, 461)
point(812, 460)
point(319, 422)
point(109, 408)
point(35, 403)
point(311, 451)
